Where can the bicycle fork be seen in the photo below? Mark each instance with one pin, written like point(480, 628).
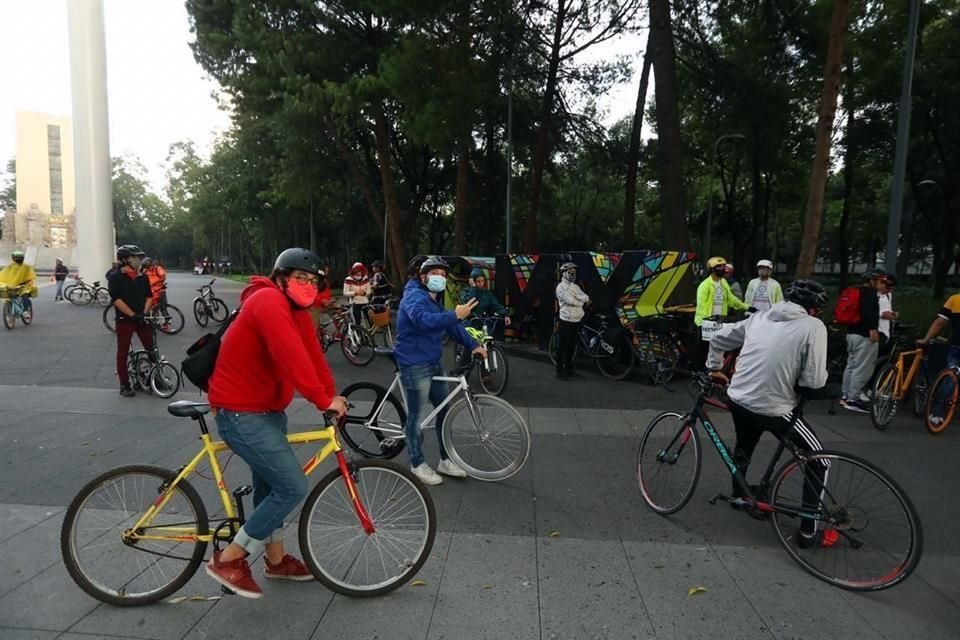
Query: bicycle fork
point(358, 506)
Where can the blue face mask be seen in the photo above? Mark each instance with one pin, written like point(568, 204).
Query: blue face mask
point(436, 284)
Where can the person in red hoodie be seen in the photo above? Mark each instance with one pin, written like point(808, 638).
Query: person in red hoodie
point(269, 351)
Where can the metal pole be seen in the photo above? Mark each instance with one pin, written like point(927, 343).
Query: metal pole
point(509, 160)
point(386, 216)
point(903, 140)
point(91, 137)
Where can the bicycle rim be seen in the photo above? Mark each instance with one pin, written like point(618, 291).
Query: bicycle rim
point(662, 357)
point(373, 426)
point(200, 312)
point(553, 346)
point(494, 375)
point(486, 437)
point(139, 368)
point(871, 534)
point(174, 319)
point(883, 405)
point(103, 298)
point(342, 555)
point(219, 310)
point(619, 364)
point(164, 380)
point(138, 571)
point(9, 319)
point(110, 319)
point(668, 463)
point(941, 402)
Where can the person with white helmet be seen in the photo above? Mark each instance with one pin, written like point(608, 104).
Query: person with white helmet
point(571, 299)
point(763, 291)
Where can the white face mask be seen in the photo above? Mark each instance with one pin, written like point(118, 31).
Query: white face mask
point(570, 276)
point(436, 284)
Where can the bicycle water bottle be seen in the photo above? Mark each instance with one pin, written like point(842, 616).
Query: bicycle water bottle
point(593, 341)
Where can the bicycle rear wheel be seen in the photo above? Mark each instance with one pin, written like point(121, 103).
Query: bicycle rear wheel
point(357, 345)
point(495, 373)
point(174, 320)
point(668, 462)
point(662, 357)
point(616, 356)
point(373, 426)
point(164, 380)
point(80, 296)
point(103, 297)
point(115, 564)
point(344, 556)
point(219, 310)
point(200, 312)
point(941, 402)
point(883, 405)
point(486, 437)
point(110, 319)
point(867, 534)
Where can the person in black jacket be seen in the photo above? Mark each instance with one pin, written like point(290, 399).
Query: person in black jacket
point(863, 341)
point(131, 296)
point(60, 274)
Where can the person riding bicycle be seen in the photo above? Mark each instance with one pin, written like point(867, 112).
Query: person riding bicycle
point(781, 349)
point(948, 314)
point(381, 289)
point(269, 351)
point(572, 300)
point(157, 277)
point(714, 297)
point(131, 296)
point(422, 322)
point(487, 307)
point(17, 274)
point(763, 291)
point(357, 289)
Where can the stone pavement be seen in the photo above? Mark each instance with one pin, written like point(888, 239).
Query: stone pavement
point(565, 549)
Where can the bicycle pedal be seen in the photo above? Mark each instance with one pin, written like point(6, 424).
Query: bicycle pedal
point(719, 496)
point(242, 491)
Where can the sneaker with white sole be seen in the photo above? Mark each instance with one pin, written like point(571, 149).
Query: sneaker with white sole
point(936, 420)
point(426, 474)
point(856, 407)
point(449, 468)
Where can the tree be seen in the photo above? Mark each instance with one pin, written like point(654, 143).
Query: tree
point(8, 187)
point(633, 155)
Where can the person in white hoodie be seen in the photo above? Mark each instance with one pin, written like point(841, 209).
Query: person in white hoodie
point(781, 349)
point(763, 291)
point(571, 299)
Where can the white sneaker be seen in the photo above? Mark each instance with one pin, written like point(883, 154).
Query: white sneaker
point(936, 420)
point(449, 468)
point(426, 474)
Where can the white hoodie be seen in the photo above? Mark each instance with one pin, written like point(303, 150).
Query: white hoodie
point(782, 348)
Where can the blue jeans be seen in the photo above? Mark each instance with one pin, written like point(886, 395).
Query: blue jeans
point(418, 385)
point(279, 484)
point(27, 303)
point(945, 390)
point(59, 295)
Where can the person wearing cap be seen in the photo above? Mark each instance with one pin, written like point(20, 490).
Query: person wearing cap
point(714, 297)
point(422, 322)
point(863, 341)
point(19, 273)
point(887, 315)
point(763, 291)
point(571, 299)
point(60, 273)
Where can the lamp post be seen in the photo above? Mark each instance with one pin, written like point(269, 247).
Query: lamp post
point(713, 173)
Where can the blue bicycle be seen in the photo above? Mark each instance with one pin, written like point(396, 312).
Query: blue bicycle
point(14, 306)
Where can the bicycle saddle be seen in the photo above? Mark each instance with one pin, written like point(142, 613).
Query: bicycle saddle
point(386, 351)
point(96, 283)
point(188, 409)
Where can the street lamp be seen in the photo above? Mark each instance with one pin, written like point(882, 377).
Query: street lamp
point(713, 172)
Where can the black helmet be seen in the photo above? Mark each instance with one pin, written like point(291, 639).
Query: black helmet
point(129, 251)
point(413, 267)
point(377, 264)
point(301, 259)
point(809, 294)
point(434, 262)
point(874, 274)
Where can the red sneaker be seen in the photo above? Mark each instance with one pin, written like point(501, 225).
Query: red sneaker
point(235, 576)
point(288, 569)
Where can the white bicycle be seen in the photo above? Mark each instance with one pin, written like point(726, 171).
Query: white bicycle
point(484, 435)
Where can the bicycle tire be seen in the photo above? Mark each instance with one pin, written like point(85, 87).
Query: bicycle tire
point(175, 320)
point(883, 405)
point(679, 435)
point(121, 596)
point(469, 444)
point(390, 522)
point(139, 368)
point(102, 297)
point(110, 319)
point(619, 364)
point(26, 317)
point(361, 354)
point(662, 358)
point(553, 346)
point(495, 380)
point(9, 319)
point(164, 380)
point(67, 289)
point(200, 312)
point(919, 393)
point(219, 310)
point(933, 402)
point(80, 297)
point(849, 520)
point(355, 427)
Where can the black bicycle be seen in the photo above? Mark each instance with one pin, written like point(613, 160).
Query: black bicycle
point(609, 345)
point(207, 306)
point(868, 534)
point(171, 318)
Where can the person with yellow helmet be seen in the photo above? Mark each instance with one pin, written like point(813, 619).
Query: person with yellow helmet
point(714, 297)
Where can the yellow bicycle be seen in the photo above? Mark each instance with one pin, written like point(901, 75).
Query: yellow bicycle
point(137, 534)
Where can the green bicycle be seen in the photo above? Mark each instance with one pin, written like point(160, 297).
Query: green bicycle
point(494, 369)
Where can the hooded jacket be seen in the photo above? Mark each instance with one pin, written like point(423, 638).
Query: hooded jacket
point(269, 350)
point(782, 349)
point(421, 324)
point(487, 303)
point(358, 290)
point(14, 275)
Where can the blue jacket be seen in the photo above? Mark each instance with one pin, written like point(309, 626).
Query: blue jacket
point(421, 324)
point(487, 303)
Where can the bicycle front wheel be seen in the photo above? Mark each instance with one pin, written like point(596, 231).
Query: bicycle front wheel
point(495, 372)
point(616, 356)
point(110, 319)
point(174, 321)
point(80, 297)
point(118, 565)
point(357, 346)
point(219, 310)
point(883, 405)
point(486, 437)
point(103, 297)
point(668, 462)
point(9, 317)
point(864, 533)
point(200, 312)
point(660, 359)
point(941, 401)
point(352, 560)
point(164, 380)
point(373, 426)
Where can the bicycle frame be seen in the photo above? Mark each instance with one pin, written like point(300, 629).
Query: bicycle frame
point(904, 380)
point(397, 432)
point(209, 452)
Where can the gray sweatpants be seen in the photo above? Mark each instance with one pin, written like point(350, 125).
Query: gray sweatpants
point(861, 360)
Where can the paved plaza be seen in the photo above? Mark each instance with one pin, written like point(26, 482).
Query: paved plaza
point(564, 550)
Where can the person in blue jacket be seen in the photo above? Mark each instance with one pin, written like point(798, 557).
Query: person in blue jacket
point(422, 322)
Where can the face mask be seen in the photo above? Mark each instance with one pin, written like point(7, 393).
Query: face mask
point(719, 272)
point(436, 284)
point(570, 276)
point(135, 264)
point(302, 295)
point(18, 260)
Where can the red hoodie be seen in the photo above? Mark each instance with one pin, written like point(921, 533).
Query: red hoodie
point(269, 350)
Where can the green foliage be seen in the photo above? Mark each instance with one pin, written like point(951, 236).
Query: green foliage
point(8, 187)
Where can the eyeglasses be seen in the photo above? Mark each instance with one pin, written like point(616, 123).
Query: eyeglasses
point(303, 278)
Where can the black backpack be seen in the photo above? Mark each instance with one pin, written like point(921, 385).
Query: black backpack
point(201, 358)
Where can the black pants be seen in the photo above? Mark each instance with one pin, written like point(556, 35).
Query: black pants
point(750, 427)
point(358, 310)
point(567, 342)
